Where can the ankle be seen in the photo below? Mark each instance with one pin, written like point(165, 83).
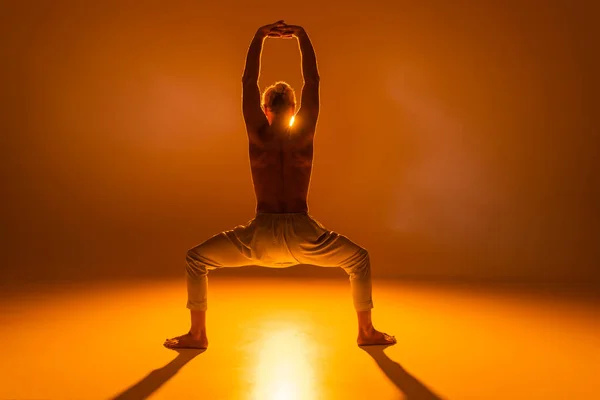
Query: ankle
point(365, 330)
point(197, 333)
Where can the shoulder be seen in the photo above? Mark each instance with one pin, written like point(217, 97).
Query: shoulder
point(259, 135)
point(302, 135)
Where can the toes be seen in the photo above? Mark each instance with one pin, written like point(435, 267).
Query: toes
point(171, 343)
point(175, 340)
point(390, 338)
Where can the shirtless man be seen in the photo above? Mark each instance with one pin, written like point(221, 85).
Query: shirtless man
point(282, 233)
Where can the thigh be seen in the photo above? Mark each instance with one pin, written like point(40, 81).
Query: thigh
point(314, 244)
point(226, 249)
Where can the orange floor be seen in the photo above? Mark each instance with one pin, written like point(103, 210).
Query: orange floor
point(295, 339)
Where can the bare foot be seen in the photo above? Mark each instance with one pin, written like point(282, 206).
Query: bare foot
point(374, 337)
point(187, 341)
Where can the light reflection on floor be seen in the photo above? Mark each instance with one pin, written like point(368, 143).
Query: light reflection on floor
point(294, 339)
point(283, 369)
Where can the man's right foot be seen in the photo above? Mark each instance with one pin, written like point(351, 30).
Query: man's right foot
point(187, 341)
point(374, 337)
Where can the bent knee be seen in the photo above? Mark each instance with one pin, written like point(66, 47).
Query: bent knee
point(365, 261)
point(360, 264)
point(195, 266)
point(364, 258)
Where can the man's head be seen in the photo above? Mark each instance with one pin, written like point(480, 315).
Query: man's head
point(279, 102)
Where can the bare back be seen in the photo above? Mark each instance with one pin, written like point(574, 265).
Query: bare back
point(281, 164)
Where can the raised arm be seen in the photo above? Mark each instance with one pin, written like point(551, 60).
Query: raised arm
point(253, 114)
point(309, 110)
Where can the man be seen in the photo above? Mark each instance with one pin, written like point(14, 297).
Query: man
point(282, 232)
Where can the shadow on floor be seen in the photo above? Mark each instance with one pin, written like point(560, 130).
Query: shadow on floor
point(155, 379)
point(410, 386)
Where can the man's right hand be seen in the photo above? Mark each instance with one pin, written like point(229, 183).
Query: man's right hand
point(291, 30)
point(272, 30)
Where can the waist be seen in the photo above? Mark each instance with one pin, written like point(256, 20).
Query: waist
point(281, 213)
point(277, 205)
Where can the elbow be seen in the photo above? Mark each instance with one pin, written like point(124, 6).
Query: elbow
point(249, 78)
point(312, 78)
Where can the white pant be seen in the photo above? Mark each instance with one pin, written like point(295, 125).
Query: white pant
point(278, 240)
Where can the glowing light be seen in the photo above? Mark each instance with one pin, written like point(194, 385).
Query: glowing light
point(292, 120)
point(285, 367)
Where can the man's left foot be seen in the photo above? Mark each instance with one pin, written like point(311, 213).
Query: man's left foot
point(187, 341)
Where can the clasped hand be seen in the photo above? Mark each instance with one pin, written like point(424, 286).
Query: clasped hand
point(281, 30)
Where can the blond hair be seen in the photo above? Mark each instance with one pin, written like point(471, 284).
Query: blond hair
point(278, 97)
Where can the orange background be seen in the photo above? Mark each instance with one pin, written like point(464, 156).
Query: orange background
point(455, 139)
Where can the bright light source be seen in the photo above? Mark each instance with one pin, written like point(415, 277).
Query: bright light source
point(285, 362)
point(292, 120)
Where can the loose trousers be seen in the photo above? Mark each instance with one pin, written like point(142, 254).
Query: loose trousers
point(278, 240)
